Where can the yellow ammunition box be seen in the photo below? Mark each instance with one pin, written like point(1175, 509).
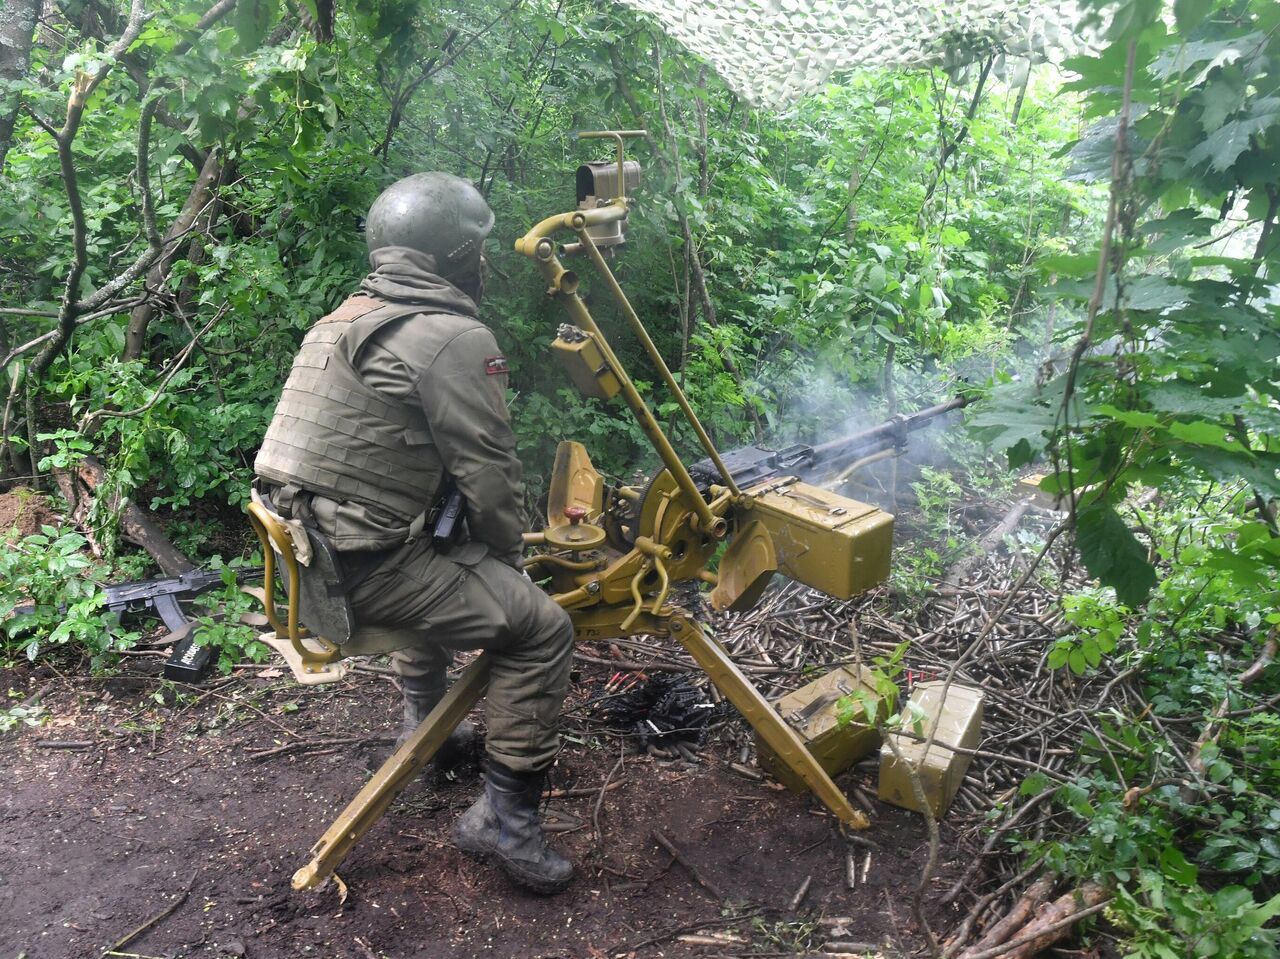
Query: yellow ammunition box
point(585, 363)
point(813, 712)
point(959, 724)
point(823, 539)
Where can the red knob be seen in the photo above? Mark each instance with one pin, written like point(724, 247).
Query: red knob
point(575, 514)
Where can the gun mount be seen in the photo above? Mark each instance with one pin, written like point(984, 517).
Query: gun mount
point(610, 553)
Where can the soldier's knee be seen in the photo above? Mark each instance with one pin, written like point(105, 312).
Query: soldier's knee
point(556, 628)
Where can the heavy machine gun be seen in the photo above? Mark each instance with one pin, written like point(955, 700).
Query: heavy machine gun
point(610, 553)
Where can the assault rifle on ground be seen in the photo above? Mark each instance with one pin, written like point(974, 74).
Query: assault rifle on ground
point(164, 596)
point(188, 661)
point(828, 463)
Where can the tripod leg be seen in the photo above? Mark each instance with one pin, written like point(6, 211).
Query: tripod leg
point(764, 719)
point(393, 776)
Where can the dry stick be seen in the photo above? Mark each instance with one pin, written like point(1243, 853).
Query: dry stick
point(1038, 940)
point(257, 755)
point(1027, 903)
point(632, 948)
point(661, 839)
point(988, 543)
point(134, 520)
point(1031, 898)
point(931, 821)
point(159, 917)
point(582, 792)
point(595, 813)
point(963, 882)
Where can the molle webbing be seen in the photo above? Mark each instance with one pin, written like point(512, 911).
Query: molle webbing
point(332, 434)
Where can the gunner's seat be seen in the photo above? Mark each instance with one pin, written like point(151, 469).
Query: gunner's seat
point(315, 630)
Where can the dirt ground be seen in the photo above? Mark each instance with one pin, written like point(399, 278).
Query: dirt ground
point(138, 804)
point(23, 512)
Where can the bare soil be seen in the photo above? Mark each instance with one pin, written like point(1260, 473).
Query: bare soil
point(22, 513)
point(140, 804)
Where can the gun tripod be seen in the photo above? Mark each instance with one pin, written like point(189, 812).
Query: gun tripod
point(405, 763)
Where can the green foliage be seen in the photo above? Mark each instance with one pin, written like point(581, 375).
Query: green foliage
point(1099, 623)
point(878, 704)
point(218, 623)
point(1194, 856)
point(819, 292)
point(1178, 370)
point(47, 599)
point(938, 543)
point(16, 717)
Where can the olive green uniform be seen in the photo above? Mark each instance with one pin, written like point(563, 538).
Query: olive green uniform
point(397, 389)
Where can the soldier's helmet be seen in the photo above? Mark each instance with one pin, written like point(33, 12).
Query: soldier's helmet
point(434, 213)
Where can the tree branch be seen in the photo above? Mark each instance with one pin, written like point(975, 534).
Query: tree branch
point(89, 425)
point(83, 86)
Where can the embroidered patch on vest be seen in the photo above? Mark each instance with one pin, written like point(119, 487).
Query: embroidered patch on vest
point(495, 365)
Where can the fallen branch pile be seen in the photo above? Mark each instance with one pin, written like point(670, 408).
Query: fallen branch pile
point(1034, 718)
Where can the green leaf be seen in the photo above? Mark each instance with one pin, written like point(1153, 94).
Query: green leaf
point(1174, 865)
point(1134, 418)
point(1092, 653)
point(1221, 148)
point(1205, 434)
point(1112, 554)
point(1189, 13)
point(1074, 265)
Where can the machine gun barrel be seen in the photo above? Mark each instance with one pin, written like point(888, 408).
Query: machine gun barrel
point(891, 433)
point(752, 465)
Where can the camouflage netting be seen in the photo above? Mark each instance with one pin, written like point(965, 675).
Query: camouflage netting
point(773, 52)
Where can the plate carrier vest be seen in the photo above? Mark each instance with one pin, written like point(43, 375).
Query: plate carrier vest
point(334, 435)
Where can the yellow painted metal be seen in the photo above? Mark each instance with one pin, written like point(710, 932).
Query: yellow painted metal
point(537, 244)
point(823, 539)
point(393, 776)
point(617, 137)
point(940, 769)
point(856, 465)
point(574, 482)
point(813, 711)
point(642, 334)
point(785, 743)
point(665, 518)
point(276, 541)
point(580, 355)
point(574, 536)
point(745, 568)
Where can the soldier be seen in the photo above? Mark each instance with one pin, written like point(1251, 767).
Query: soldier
point(397, 392)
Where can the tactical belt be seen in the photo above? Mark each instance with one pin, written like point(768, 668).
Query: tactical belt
point(288, 501)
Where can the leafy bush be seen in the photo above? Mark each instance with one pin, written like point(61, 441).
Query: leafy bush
point(1185, 826)
point(218, 613)
point(47, 599)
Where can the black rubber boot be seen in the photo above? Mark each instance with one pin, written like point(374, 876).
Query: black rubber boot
point(503, 825)
point(461, 749)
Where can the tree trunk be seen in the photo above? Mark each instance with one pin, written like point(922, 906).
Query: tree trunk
point(17, 30)
point(77, 488)
point(201, 193)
